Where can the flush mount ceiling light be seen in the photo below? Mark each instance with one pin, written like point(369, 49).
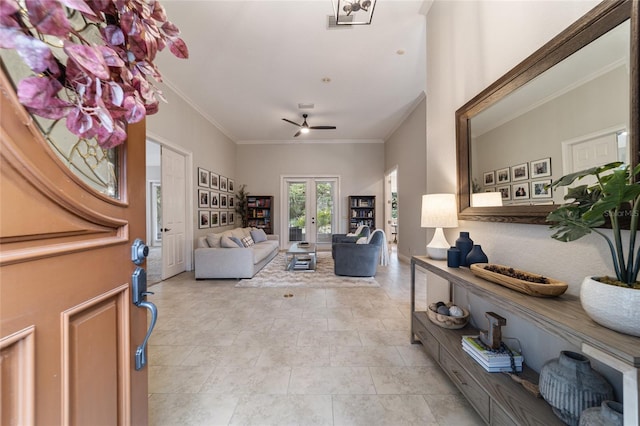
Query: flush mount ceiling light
point(354, 12)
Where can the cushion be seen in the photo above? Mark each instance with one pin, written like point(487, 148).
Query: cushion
point(258, 235)
point(213, 240)
point(362, 240)
point(237, 241)
point(239, 233)
point(227, 242)
point(247, 241)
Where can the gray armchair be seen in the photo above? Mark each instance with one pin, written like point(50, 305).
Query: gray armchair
point(344, 238)
point(358, 260)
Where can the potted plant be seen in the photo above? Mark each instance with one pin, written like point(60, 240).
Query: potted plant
point(615, 197)
point(242, 205)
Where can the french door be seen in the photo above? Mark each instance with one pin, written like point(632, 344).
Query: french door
point(310, 206)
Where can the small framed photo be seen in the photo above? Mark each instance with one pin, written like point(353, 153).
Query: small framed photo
point(520, 172)
point(231, 218)
point(203, 198)
point(230, 185)
point(215, 178)
point(203, 177)
point(230, 200)
point(223, 183)
point(505, 191)
point(215, 200)
point(223, 218)
point(490, 189)
point(502, 175)
point(520, 191)
point(203, 218)
point(223, 201)
point(489, 178)
point(541, 189)
point(215, 219)
point(541, 168)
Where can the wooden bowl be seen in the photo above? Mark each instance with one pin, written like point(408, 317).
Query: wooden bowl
point(447, 321)
point(551, 289)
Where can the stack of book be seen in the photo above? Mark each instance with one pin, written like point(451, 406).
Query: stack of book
point(494, 361)
point(304, 264)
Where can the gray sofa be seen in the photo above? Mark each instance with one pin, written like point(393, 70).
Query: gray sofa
point(365, 231)
point(359, 260)
point(217, 256)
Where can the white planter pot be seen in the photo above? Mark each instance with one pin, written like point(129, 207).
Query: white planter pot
point(614, 307)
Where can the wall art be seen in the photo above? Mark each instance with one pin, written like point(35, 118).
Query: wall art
point(520, 172)
point(203, 177)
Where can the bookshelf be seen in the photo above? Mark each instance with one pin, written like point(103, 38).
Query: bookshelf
point(259, 212)
point(362, 211)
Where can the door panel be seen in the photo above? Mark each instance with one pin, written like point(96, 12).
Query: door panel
point(311, 209)
point(173, 213)
point(65, 273)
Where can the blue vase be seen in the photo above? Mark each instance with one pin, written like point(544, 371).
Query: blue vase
point(464, 244)
point(476, 255)
point(453, 257)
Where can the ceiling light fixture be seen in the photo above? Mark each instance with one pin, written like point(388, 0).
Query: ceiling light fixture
point(354, 12)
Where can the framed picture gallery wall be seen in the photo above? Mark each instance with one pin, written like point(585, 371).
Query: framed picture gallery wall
point(215, 199)
point(521, 182)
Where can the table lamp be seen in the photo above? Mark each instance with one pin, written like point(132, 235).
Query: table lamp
point(439, 211)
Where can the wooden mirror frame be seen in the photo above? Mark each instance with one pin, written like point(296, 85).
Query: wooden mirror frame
point(598, 21)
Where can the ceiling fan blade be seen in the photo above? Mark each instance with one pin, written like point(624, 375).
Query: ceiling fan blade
point(297, 134)
point(294, 123)
point(322, 127)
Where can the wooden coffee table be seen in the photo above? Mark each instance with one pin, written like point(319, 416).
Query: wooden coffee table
point(301, 257)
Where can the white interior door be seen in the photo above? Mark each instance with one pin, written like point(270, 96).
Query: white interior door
point(173, 213)
point(310, 206)
point(594, 150)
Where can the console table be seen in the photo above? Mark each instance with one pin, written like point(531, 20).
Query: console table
point(496, 397)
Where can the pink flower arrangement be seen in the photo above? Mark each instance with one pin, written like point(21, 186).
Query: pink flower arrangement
point(101, 87)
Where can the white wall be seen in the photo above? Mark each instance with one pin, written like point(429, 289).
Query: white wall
point(406, 149)
point(470, 44)
point(360, 167)
point(180, 125)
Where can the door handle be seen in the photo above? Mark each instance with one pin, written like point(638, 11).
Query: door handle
point(141, 351)
point(139, 251)
point(166, 230)
point(139, 280)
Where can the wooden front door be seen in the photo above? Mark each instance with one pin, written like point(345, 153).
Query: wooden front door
point(68, 328)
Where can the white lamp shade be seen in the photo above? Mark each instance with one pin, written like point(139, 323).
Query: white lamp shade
point(439, 211)
point(486, 199)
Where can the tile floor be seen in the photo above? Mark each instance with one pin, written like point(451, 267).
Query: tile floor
point(222, 355)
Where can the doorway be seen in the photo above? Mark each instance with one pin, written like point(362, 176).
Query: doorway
point(309, 206)
point(167, 210)
point(391, 205)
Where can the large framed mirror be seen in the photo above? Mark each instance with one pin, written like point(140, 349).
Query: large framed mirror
point(572, 104)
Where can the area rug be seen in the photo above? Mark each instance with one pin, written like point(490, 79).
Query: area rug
point(274, 275)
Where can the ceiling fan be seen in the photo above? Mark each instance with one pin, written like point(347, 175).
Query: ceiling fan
point(304, 127)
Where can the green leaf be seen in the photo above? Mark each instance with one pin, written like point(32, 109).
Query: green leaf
point(594, 171)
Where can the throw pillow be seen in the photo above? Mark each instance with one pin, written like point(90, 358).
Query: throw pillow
point(213, 240)
point(362, 240)
point(237, 241)
point(258, 235)
point(227, 242)
point(247, 241)
point(239, 233)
